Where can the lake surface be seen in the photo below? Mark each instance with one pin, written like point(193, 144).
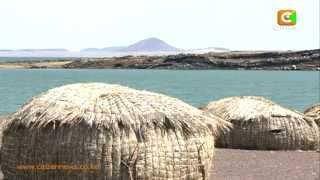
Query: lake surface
point(295, 90)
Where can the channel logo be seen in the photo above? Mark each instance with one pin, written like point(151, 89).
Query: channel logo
point(287, 17)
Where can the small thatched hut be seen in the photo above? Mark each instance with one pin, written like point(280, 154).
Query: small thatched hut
point(314, 113)
point(101, 131)
point(261, 124)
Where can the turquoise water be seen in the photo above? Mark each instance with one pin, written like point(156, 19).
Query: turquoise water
point(295, 90)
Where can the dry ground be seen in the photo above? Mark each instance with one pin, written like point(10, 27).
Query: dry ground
point(265, 165)
point(27, 65)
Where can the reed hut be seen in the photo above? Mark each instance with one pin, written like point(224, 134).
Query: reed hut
point(260, 124)
point(102, 131)
point(314, 113)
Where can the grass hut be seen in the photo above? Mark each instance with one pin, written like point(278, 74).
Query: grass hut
point(261, 124)
point(101, 131)
point(314, 113)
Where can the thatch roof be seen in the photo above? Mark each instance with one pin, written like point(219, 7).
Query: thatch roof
point(103, 105)
point(315, 109)
point(314, 113)
point(256, 116)
point(248, 107)
point(4, 121)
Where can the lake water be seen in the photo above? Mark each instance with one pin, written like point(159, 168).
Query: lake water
point(295, 90)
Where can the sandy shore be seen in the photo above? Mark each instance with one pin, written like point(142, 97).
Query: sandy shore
point(264, 165)
point(35, 65)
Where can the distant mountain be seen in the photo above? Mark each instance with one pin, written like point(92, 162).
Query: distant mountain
point(106, 49)
point(42, 50)
point(150, 45)
point(35, 53)
point(146, 45)
point(6, 50)
point(34, 50)
point(113, 49)
point(90, 50)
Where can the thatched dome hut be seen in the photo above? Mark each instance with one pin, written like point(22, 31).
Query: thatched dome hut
point(261, 124)
point(314, 113)
point(102, 131)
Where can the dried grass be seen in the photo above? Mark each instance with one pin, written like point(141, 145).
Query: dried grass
point(4, 121)
point(259, 123)
point(129, 134)
point(314, 113)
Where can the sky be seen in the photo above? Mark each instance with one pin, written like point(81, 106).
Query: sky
point(187, 24)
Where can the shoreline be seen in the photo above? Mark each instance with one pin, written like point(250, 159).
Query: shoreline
point(308, 60)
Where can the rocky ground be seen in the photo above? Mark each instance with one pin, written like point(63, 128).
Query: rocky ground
point(232, 164)
point(252, 60)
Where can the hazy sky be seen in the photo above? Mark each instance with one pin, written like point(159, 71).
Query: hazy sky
point(234, 24)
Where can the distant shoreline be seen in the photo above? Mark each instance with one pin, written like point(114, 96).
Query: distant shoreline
point(308, 60)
